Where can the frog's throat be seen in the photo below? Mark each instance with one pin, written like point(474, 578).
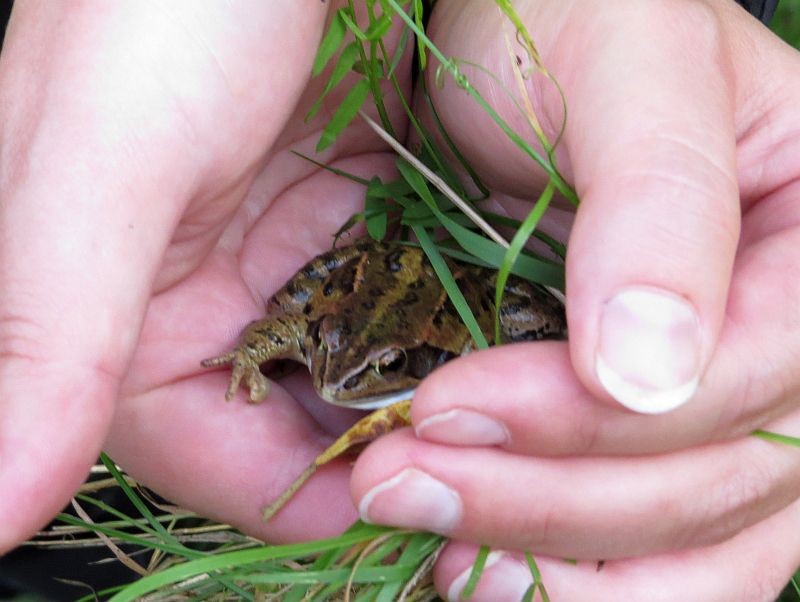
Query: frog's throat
point(376, 401)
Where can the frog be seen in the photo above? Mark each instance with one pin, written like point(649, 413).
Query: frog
point(372, 319)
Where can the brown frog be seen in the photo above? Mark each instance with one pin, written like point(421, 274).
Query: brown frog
point(371, 320)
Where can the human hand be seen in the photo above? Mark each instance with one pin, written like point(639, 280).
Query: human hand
point(131, 135)
point(682, 142)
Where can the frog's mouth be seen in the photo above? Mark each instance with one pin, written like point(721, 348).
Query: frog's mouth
point(376, 383)
point(376, 401)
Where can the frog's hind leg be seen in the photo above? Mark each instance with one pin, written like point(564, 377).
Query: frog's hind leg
point(367, 429)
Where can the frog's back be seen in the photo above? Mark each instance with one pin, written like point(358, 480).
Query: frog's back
point(320, 283)
point(319, 288)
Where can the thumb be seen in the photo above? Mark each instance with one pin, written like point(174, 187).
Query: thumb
point(113, 118)
point(81, 237)
point(652, 146)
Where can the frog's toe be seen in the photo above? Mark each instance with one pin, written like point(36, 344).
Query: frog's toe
point(237, 373)
point(220, 360)
point(258, 385)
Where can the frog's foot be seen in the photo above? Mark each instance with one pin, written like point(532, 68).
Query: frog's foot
point(369, 428)
point(244, 368)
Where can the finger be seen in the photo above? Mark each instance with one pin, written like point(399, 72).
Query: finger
point(653, 243)
point(649, 143)
point(486, 399)
point(606, 508)
point(754, 565)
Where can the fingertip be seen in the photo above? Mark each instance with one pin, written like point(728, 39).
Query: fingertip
point(504, 576)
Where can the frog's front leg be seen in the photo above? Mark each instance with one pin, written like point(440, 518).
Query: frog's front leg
point(274, 337)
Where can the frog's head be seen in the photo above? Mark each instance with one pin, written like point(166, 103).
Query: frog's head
point(353, 369)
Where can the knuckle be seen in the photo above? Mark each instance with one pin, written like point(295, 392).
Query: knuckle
point(20, 336)
point(696, 20)
point(736, 500)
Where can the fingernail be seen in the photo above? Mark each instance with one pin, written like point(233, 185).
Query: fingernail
point(463, 427)
point(412, 499)
point(503, 578)
point(648, 354)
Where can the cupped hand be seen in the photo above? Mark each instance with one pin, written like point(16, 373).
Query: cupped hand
point(150, 204)
point(682, 279)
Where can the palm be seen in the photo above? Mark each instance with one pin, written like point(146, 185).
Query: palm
point(171, 409)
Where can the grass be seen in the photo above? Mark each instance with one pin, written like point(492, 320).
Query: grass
point(786, 22)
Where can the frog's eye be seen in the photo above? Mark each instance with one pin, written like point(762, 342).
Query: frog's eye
point(391, 361)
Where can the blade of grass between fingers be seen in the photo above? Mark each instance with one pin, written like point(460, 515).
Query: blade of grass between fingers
point(538, 583)
point(418, 548)
point(462, 81)
point(477, 571)
point(450, 286)
point(777, 437)
point(515, 248)
point(558, 248)
point(451, 146)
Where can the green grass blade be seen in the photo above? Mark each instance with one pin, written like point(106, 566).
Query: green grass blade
point(419, 19)
point(330, 43)
point(347, 59)
point(777, 437)
point(531, 268)
point(538, 583)
point(462, 81)
point(339, 172)
point(378, 28)
point(137, 502)
point(453, 292)
point(344, 114)
point(155, 544)
point(515, 248)
point(239, 558)
point(380, 574)
point(125, 520)
point(375, 210)
point(352, 25)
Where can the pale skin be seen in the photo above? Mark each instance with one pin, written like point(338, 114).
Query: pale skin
point(149, 206)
